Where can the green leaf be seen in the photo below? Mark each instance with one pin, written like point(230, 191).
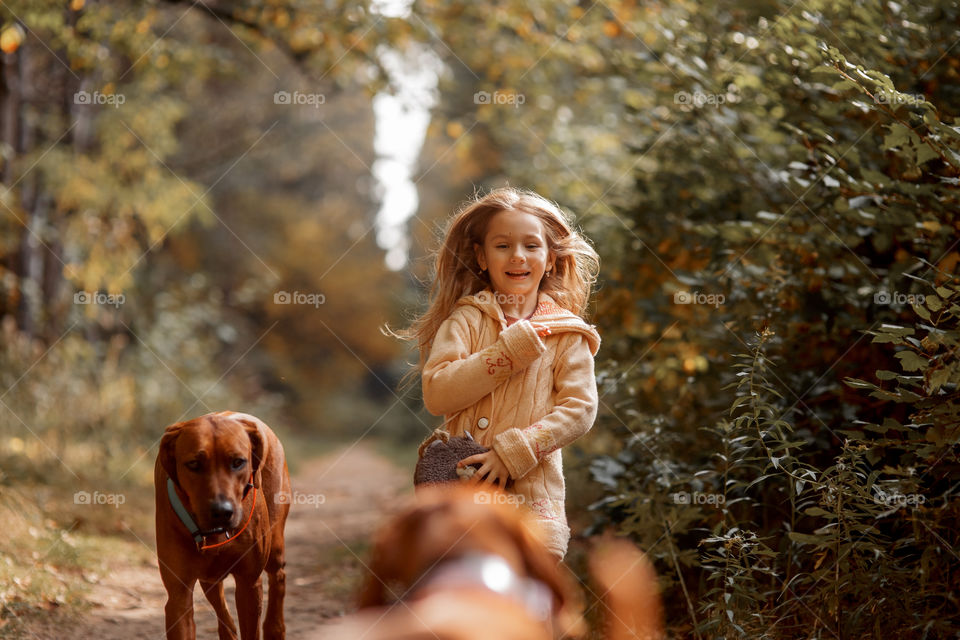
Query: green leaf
point(882, 79)
point(938, 378)
point(874, 177)
point(827, 69)
point(898, 135)
point(856, 383)
point(892, 423)
point(897, 329)
point(925, 153)
point(843, 85)
point(805, 538)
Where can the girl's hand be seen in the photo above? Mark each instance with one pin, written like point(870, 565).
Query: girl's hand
point(491, 471)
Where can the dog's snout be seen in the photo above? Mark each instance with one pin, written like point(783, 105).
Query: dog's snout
point(221, 510)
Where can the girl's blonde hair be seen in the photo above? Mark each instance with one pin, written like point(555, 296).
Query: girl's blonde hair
point(458, 274)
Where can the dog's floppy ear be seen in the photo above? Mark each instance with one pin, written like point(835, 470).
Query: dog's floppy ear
point(167, 455)
point(256, 448)
point(544, 566)
point(628, 582)
point(381, 570)
point(396, 558)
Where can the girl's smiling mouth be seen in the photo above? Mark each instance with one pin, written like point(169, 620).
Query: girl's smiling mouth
point(517, 275)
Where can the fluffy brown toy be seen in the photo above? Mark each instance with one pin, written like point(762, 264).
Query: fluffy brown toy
point(439, 455)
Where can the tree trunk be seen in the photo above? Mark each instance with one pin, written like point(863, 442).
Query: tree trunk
point(10, 138)
point(31, 240)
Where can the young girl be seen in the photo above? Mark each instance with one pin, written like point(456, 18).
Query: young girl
point(504, 352)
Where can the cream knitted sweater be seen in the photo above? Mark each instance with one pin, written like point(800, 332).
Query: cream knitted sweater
point(519, 394)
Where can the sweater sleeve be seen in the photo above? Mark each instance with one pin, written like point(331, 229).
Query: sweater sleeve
point(454, 378)
point(522, 449)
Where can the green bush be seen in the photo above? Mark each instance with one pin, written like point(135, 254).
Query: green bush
point(799, 196)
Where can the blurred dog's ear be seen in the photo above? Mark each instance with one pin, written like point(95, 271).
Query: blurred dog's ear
point(167, 455)
point(628, 582)
point(256, 448)
point(545, 566)
point(396, 558)
point(384, 569)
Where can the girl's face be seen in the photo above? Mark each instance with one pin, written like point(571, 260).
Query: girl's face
point(515, 253)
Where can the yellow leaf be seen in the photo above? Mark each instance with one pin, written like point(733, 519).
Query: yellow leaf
point(11, 38)
point(949, 262)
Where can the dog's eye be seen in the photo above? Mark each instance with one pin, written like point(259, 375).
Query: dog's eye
point(193, 465)
point(238, 463)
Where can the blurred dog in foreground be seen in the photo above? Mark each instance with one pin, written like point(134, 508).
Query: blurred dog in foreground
point(463, 565)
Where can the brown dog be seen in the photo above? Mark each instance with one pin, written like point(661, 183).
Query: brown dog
point(223, 494)
point(461, 565)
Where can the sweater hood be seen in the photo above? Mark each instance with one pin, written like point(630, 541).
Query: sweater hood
point(548, 313)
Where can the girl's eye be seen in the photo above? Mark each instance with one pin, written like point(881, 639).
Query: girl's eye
point(533, 246)
point(501, 246)
point(238, 463)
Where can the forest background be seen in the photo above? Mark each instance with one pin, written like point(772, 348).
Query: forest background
point(191, 219)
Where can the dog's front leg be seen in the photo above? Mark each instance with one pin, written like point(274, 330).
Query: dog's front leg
point(178, 612)
point(249, 606)
point(273, 627)
point(226, 630)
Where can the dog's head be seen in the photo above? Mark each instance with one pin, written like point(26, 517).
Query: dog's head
point(212, 458)
point(449, 521)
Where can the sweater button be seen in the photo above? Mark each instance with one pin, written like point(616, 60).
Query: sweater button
point(483, 423)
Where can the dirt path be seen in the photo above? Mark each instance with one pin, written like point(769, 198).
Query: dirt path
point(344, 496)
